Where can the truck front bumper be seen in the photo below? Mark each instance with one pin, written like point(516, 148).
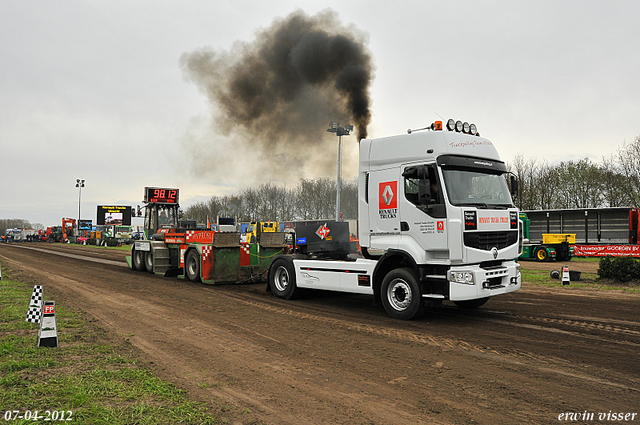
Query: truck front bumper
point(473, 282)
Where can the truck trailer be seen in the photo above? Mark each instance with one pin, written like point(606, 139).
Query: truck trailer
point(436, 222)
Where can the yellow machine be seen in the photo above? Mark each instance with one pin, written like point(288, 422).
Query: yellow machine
point(256, 228)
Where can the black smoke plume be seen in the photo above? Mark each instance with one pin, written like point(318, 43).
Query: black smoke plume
point(280, 91)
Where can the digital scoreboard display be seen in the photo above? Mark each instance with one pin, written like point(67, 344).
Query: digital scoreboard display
point(160, 195)
point(113, 215)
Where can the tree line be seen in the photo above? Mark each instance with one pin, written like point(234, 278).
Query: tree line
point(612, 182)
point(310, 199)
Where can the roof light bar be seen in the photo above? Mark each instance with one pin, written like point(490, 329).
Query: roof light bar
point(460, 127)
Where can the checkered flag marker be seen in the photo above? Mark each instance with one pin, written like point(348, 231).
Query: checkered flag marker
point(35, 305)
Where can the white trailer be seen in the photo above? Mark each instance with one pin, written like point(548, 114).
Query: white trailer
point(437, 208)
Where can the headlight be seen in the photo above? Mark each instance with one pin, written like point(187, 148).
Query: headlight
point(461, 277)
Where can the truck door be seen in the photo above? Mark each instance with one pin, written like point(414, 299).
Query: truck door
point(422, 208)
point(384, 221)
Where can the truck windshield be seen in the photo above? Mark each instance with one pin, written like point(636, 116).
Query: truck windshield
point(473, 188)
point(167, 217)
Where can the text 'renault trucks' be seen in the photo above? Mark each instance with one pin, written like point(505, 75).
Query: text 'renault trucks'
point(436, 222)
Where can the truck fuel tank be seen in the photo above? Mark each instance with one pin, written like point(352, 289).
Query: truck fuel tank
point(326, 239)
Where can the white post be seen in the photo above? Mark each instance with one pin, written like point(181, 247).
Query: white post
point(339, 182)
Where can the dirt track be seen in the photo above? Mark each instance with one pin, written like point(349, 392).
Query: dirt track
point(335, 359)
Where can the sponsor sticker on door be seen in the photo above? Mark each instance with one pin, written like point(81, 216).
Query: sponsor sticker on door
point(388, 200)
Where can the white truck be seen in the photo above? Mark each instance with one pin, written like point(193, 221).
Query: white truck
point(436, 222)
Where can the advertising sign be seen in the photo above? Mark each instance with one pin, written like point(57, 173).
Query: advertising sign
point(85, 224)
point(604, 250)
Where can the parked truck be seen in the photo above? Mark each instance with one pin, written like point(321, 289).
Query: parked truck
point(436, 222)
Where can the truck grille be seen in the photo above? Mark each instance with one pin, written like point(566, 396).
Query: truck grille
point(487, 240)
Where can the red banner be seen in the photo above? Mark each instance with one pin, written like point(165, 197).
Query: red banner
point(604, 250)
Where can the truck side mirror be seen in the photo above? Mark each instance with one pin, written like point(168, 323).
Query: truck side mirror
point(514, 187)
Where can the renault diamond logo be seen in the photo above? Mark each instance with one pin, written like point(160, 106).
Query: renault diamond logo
point(387, 195)
point(494, 251)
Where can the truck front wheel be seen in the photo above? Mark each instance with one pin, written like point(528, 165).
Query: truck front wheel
point(282, 279)
point(192, 266)
point(401, 295)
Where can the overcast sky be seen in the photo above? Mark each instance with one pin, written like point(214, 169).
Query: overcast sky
point(96, 90)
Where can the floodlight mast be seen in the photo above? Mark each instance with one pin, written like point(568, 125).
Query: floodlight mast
point(79, 185)
point(334, 127)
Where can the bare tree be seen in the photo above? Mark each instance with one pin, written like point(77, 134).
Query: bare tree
point(628, 160)
point(316, 199)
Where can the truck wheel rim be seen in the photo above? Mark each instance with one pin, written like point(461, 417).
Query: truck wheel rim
point(399, 294)
point(281, 279)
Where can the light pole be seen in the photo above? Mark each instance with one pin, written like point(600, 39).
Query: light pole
point(334, 127)
point(79, 185)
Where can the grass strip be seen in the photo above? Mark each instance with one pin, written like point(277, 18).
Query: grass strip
point(85, 379)
point(587, 281)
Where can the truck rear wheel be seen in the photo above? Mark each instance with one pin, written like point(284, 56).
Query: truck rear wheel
point(137, 260)
point(401, 295)
point(282, 279)
point(148, 261)
point(192, 266)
